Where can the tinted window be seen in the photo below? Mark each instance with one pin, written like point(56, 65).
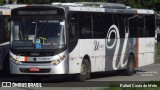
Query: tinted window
point(137, 27)
point(85, 29)
point(73, 27)
point(73, 32)
point(122, 25)
point(101, 25)
point(150, 25)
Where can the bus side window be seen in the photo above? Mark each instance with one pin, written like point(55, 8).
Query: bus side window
point(85, 26)
point(132, 28)
point(73, 36)
point(101, 24)
point(73, 27)
point(137, 27)
point(150, 25)
point(109, 21)
point(73, 32)
point(141, 27)
point(122, 25)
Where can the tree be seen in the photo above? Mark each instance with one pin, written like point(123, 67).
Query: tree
point(2, 2)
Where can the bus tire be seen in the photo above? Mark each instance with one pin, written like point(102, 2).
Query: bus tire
point(85, 71)
point(130, 66)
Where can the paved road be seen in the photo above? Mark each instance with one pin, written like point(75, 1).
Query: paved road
point(55, 88)
point(146, 73)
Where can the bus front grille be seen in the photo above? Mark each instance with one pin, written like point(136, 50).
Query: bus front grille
point(36, 62)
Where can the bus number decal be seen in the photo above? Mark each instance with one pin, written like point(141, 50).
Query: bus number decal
point(96, 45)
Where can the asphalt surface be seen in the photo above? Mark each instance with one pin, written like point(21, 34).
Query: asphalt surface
point(146, 73)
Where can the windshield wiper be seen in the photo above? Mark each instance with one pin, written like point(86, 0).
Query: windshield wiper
point(21, 34)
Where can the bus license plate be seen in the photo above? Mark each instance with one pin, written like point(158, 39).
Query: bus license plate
point(34, 69)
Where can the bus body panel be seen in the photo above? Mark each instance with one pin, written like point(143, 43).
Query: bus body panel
point(74, 59)
point(145, 51)
point(141, 45)
point(150, 51)
point(94, 48)
point(87, 48)
point(99, 54)
point(100, 61)
point(117, 55)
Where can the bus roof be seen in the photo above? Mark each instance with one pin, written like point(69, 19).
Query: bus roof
point(94, 4)
point(103, 7)
point(91, 7)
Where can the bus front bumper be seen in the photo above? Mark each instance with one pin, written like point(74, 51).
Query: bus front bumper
point(39, 69)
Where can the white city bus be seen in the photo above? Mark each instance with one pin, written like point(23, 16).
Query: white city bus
point(80, 38)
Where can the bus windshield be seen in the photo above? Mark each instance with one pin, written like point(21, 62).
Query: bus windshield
point(37, 33)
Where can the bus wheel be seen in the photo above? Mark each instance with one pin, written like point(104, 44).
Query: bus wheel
point(130, 66)
point(36, 78)
point(85, 72)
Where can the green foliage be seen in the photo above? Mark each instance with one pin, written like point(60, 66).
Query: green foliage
point(2, 2)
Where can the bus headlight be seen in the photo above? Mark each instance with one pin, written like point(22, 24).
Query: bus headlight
point(57, 61)
point(14, 60)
